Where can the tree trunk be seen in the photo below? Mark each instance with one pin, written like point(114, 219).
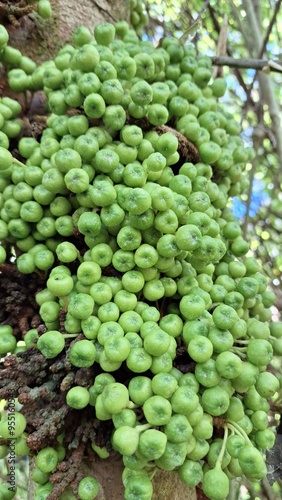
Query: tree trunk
point(166, 485)
point(40, 39)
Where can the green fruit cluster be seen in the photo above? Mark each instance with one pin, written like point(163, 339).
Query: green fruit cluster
point(143, 256)
point(10, 124)
point(138, 16)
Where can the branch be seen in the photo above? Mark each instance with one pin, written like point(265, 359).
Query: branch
point(195, 25)
point(269, 28)
point(266, 38)
point(265, 84)
point(216, 24)
point(254, 35)
point(237, 17)
point(221, 49)
point(258, 64)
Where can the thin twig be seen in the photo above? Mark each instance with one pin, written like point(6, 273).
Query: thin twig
point(269, 28)
point(204, 7)
point(236, 70)
point(266, 88)
point(221, 49)
point(197, 22)
point(266, 38)
point(242, 28)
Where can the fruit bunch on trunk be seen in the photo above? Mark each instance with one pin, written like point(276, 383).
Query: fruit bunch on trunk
point(150, 289)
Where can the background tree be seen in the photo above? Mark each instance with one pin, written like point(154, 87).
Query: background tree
point(41, 37)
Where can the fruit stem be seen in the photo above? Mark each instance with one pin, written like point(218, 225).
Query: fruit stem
point(151, 475)
point(222, 451)
point(240, 351)
point(132, 405)
point(238, 430)
point(144, 427)
point(149, 466)
point(272, 338)
point(69, 335)
point(18, 162)
point(65, 300)
point(79, 257)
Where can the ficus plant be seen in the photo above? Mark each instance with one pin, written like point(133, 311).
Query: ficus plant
point(149, 331)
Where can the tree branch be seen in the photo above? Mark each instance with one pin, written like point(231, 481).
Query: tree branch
point(254, 41)
point(236, 70)
point(265, 84)
point(267, 34)
point(258, 64)
point(269, 28)
point(236, 15)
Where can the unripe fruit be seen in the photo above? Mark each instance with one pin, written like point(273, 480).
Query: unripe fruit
point(144, 264)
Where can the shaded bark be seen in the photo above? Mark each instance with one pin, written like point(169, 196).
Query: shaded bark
point(166, 485)
point(40, 39)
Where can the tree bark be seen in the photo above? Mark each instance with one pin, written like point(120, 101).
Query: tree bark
point(40, 39)
point(166, 485)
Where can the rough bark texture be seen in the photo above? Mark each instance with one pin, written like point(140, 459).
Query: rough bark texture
point(167, 485)
point(40, 39)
